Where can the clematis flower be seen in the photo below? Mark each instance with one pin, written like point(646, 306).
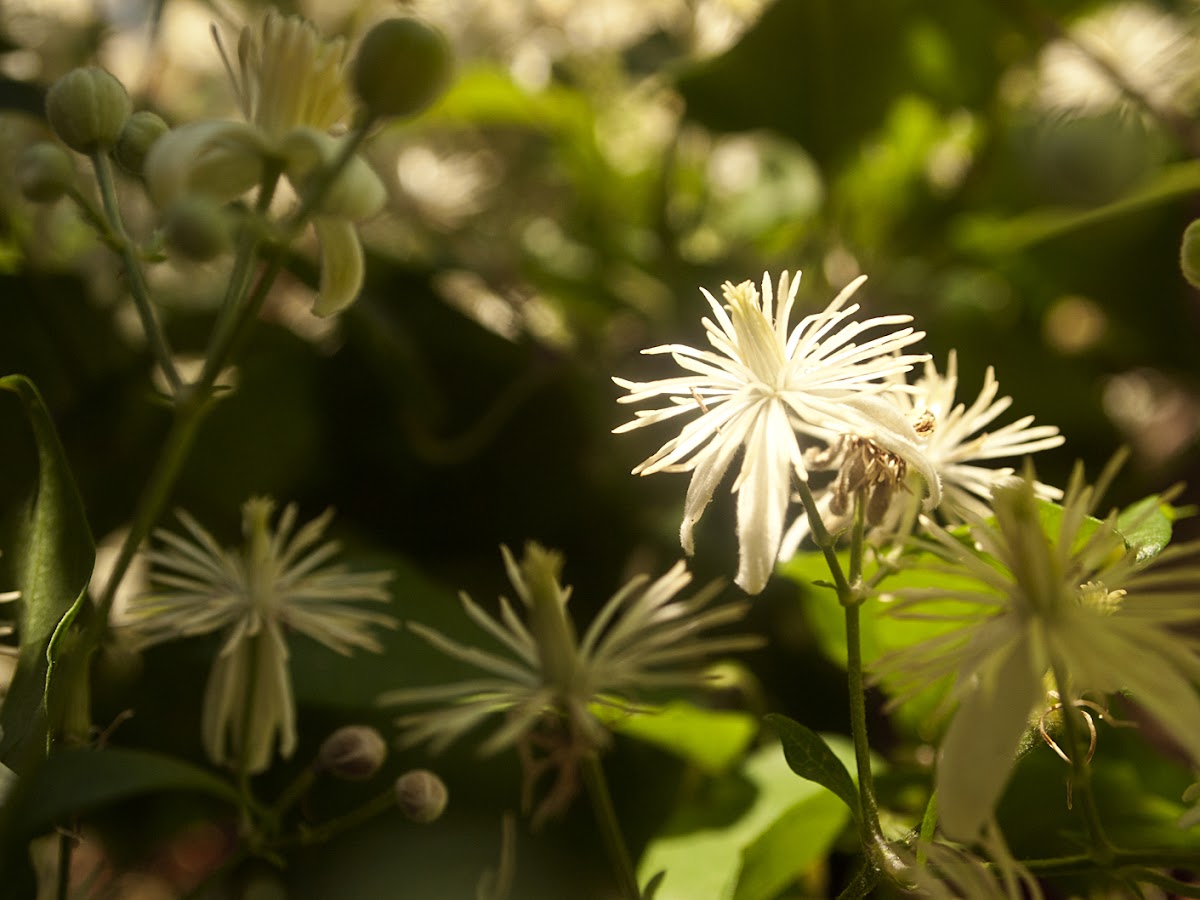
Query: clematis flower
point(770, 390)
point(281, 579)
point(1078, 603)
point(291, 86)
point(950, 437)
point(643, 638)
point(1152, 51)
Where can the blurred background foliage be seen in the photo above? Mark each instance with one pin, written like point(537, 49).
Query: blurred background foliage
point(551, 216)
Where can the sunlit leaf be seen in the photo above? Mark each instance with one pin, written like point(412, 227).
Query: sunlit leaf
point(712, 739)
point(1146, 526)
point(747, 834)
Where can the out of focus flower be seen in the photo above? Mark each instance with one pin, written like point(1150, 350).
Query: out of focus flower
point(280, 579)
point(1076, 603)
point(643, 638)
point(769, 390)
point(291, 85)
point(1151, 51)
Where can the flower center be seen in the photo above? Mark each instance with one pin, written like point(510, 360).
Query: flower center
point(1095, 596)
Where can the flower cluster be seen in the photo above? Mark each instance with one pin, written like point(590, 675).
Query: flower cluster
point(809, 398)
point(292, 88)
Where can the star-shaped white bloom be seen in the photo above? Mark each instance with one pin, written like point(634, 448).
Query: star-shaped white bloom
point(1078, 602)
point(951, 439)
point(767, 389)
point(281, 579)
point(291, 85)
point(955, 441)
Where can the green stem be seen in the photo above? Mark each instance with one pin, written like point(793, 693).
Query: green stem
point(1102, 849)
point(369, 810)
point(1085, 863)
point(825, 541)
point(850, 595)
point(190, 409)
point(239, 280)
point(292, 793)
point(610, 830)
point(133, 272)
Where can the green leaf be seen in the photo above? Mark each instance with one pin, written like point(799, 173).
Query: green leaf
point(1146, 527)
point(72, 782)
point(51, 560)
point(712, 739)
point(810, 757)
point(881, 632)
point(747, 834)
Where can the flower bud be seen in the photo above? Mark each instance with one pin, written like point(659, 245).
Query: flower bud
point(421, 796)
point(1189, 254)
point(197, 228)
point(354, 752)
point(141, 130)
point(45, 172)
point(402, 66)
point(87, 109)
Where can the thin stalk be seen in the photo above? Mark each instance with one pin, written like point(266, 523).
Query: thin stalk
point(190, 410)
point(369, 810)
point(1081, 773)
point(1085, 863)
point(133, 271)
point(825, 541)
point(239, 279)
point(610, 829)
point(849, 591)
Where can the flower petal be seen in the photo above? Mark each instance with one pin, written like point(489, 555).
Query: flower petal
point(341, 266)
point(980, 744)
point(219, 159)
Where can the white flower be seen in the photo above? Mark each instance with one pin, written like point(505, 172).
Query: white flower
point(767, 389)
point(950, 437)
point(1151, 50)
point(1077, 602)
point(280, 579)
point(292, 90)
point(955, 440)
point(642, 638)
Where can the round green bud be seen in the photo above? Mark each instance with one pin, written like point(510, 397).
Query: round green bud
point(141, 130)
point(421, 796)
point(1189, 254)
point(45, 172)
point(402, 66)
point(197, 228)
point(87, 109)
point(355, 753)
